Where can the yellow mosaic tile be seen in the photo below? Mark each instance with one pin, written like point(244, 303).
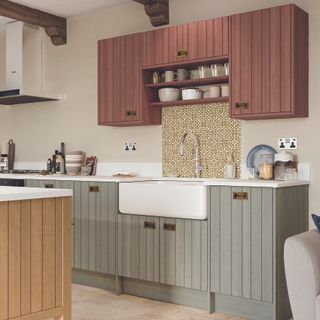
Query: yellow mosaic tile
point(218, 137)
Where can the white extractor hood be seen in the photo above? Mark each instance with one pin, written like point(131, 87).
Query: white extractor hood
point(25, 66)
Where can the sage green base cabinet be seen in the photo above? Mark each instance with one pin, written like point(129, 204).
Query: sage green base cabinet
point(93, 223)
point(166, 251)
point(248, 228)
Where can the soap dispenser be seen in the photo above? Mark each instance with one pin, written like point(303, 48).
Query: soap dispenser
point(230, 168)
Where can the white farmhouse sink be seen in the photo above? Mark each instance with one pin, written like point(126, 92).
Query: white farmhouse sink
point(174, 199)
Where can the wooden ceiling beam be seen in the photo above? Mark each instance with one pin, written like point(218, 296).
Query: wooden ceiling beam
point(55, 26)
point(157, 10)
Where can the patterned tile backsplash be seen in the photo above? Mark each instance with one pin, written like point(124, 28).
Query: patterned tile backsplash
point(218, 137)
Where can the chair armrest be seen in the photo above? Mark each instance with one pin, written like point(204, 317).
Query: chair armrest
point(302, 267)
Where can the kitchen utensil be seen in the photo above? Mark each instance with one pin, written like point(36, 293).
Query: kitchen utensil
point(217, 70)
point(181, 74)
point(11, 154)
point(214, 92)
point(226, 69)
point(282, 162)
point(252, 173)
point(204, 72)
point(194, 74)
point(156, 77)
point(169, 76)
point(254, 154)
point(225, 90)
point(266, 166)
point(290, 174)
point(191, 93)
point(169, 94)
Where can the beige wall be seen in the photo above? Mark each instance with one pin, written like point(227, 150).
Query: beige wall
point(38, 128)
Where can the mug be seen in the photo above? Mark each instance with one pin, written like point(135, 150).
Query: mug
point(181, 74)
point(194, 74)
point(225, 90)
point(217, 70)
point(204, 72)
point(214, 92)
point(169, 76)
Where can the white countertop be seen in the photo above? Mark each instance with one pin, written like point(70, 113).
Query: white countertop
point(208, 182)
point(19, 193)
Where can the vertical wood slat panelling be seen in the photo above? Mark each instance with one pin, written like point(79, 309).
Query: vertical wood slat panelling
point(204, 256)
point(196, 254)
point(265, 60)
point(127, 249)
point(285, 59)
point(135, 78)
point(48, 259)
point(215, 239)
point(59, 248)
point(246, 246)
point(84, 226)
point(102, 86)
point(14, 259)
point(242, 243)
point(112, 210)
point(188, 254)
point(246, 60)
point(92, 232)
point(225, 36)
point(256, 53)
point(4, 271)
point(36, 255)
point(236, 245)
point(77, 226)
point(256, 243)
point(117, 85)
point(267, 245)
point(202, 39)
point(109, 79)
point(135, 241)
point(25, 257)
point(225, 240)
point(128, 79)
point(217, 37)
point(275, 59)
point(235, 62)
point(103, 226)
point(180, 253)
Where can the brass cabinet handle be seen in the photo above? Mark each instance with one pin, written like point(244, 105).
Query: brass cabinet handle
point(242, 105)
point(182, 53)
point(240, 195)
point(49, 185)
point(169, 227)
point(131, 113)
point(149, 225)
point(94, 189)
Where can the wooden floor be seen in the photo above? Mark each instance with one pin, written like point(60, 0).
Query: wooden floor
point(95, 304)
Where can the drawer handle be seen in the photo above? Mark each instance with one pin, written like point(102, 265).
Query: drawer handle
point(149, 225)
point(131, 113)
point(169, 227)
point(242, 105)
point(94, 189)
point(240, 195)
point(182, 53)
point(49, 185)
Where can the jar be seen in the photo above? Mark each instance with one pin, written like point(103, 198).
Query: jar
point(266, 166)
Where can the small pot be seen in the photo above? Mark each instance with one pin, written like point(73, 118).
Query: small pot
point(191, 93)
point(169, 94)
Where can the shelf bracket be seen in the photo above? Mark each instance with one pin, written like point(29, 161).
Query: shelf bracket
point(157, 10)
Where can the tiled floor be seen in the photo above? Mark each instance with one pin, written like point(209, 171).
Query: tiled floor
point(95, 304)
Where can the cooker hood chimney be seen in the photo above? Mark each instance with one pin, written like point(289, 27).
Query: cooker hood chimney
point(24, 66)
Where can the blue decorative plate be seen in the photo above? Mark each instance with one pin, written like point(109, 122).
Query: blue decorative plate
point(254, 154)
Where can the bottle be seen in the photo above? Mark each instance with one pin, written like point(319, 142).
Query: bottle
point(230, 168)
point(59, 164)
point(53, 164)
point(49, 165)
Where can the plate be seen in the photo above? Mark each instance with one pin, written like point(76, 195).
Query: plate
point(254, 154)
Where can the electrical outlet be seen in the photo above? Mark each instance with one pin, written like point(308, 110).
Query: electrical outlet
point(287, 143)
point(130, 146)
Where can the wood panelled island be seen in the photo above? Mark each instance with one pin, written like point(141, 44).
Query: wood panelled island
point(35, 253)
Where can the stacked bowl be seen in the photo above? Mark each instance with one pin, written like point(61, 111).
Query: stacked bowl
point(74, 162)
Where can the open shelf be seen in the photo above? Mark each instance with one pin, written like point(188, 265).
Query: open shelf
point(188, 102)
point(191, 82)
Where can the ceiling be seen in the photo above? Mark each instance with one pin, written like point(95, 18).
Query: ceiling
point(69, 8)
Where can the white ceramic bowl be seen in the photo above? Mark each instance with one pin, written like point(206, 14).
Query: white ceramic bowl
point(169, 94)
point(73, 165)
point(191, 94)
point(74, 153)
